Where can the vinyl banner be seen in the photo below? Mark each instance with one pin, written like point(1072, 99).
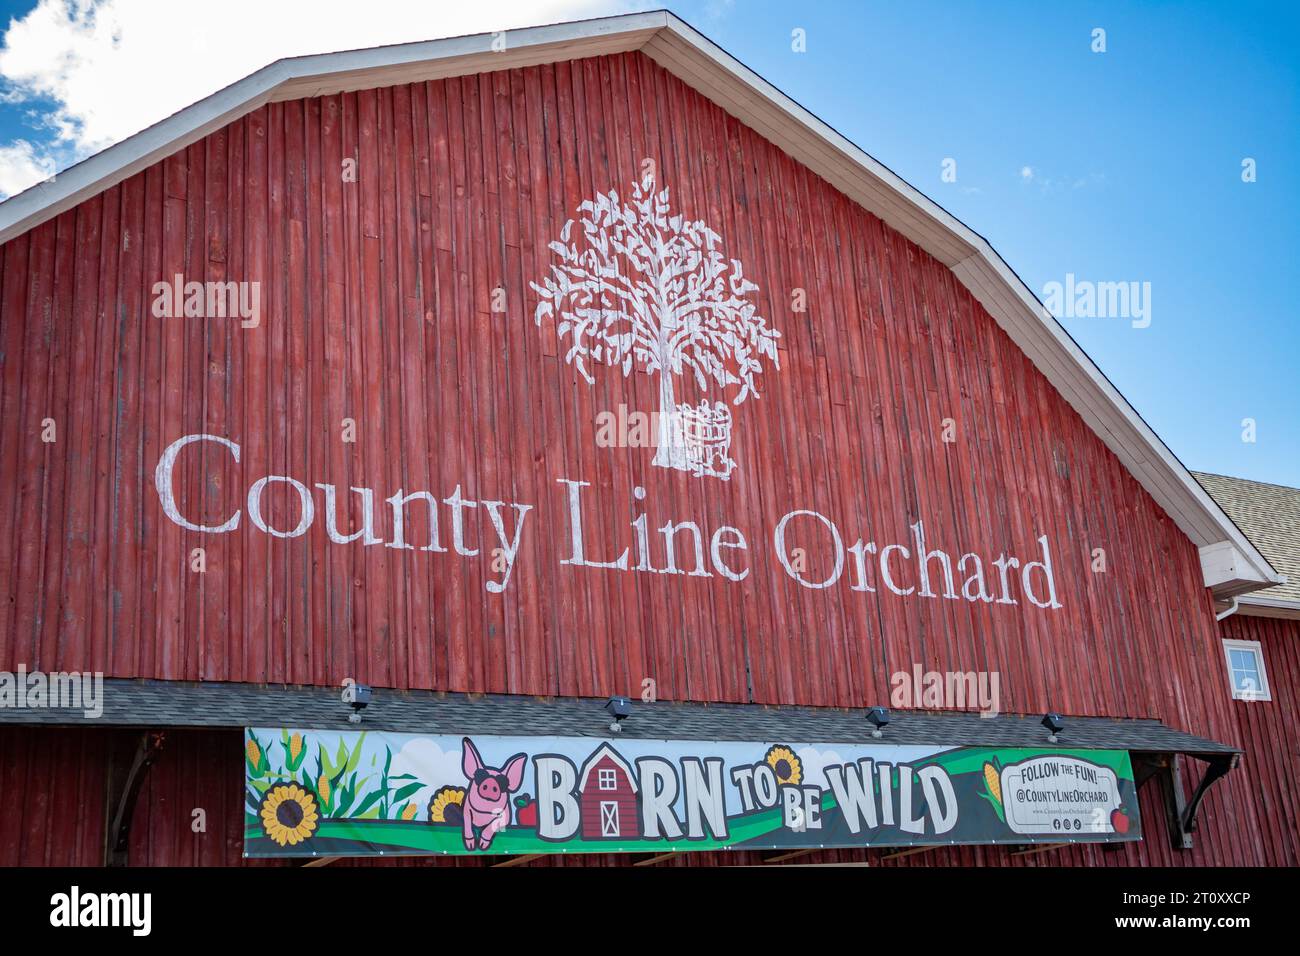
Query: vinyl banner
point(352, 793)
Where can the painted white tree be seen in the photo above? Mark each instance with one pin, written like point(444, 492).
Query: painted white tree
point(647, 288)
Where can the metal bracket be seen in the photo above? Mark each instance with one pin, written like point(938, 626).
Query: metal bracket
point(1215, 769)
point(1180, 813)
point(123, 787)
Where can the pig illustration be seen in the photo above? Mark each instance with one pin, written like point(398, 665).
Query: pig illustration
point(487, 800)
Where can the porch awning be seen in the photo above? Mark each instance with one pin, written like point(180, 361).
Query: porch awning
point(771, 778)
point(138, 703)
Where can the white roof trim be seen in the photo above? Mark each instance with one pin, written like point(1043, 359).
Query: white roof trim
point(751, 99)
point(1258, 605)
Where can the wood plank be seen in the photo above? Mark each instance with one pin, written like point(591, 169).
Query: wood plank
point(377, 307)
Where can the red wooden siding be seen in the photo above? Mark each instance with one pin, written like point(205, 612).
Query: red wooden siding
point(53, 783)
point(1272, 759)
point(377, 307)
point(58, 777)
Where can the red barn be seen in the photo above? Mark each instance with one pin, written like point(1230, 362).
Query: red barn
point(320, 381)
point(608, 796)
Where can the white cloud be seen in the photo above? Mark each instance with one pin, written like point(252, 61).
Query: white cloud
point(97, 71)
point(718, 9)
point(23, 165)
point(1052, 184)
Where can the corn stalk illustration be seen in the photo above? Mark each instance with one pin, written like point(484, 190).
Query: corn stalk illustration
point(341, 787)
point(993, 788)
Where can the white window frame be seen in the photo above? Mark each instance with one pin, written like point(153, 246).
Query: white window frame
point(1257, 649)
point(606, 775)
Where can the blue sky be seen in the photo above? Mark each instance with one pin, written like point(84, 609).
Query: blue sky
point(1117, 166)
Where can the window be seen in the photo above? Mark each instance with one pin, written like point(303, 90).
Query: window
point(606, 780)
point(1246, 670)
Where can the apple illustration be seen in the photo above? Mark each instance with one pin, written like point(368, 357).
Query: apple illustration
point(1119, 821)
point(526, 815)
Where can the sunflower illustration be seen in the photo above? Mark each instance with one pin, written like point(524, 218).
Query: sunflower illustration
point(446, 805)
point(288, 814)
point(784, 764)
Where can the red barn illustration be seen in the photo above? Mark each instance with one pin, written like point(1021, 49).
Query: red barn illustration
point(608, 789)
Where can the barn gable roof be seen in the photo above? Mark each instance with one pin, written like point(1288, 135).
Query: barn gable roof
point(605, 750)
point(1231, 564)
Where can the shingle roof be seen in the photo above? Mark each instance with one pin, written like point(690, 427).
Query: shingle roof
point(1269, 515)
point(179, 704)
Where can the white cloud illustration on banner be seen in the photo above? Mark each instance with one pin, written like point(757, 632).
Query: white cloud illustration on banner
point(814, 763)
point(645, 288)
point(423, 758)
